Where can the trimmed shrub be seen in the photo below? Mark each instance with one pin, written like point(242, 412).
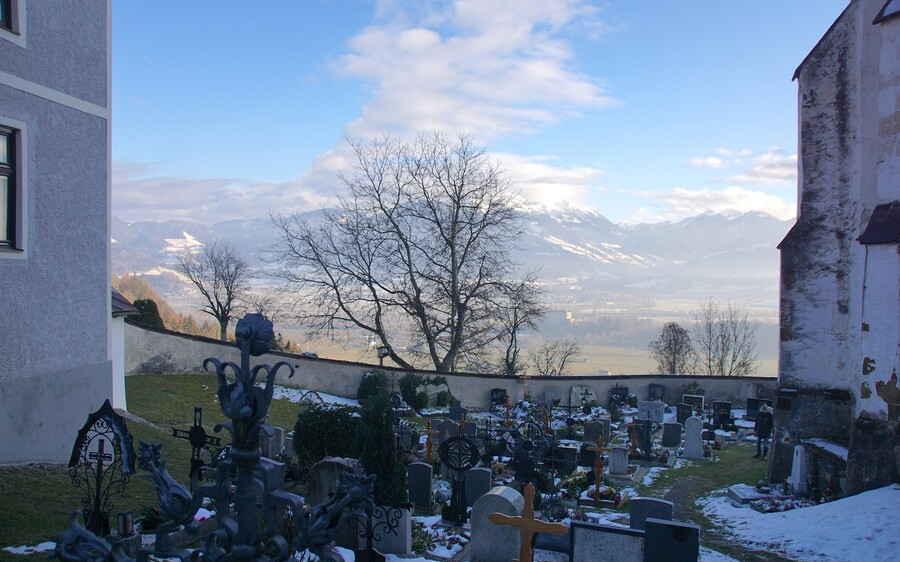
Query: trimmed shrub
point(372, 383)
point(408, 384)
point(421, 401)
point(322, 431)
point(376, 449)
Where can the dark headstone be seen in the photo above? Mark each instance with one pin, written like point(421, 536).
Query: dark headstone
point(418, 482)
point(694, 400)
point(753, 405)
point(721, 414)
point(618, 394)
point(683, 412)
point(457, 412)
point(471, 430)
point(671, 540)
point(643, 508)
point(671, 434)
point(656, 391)
point(587, 456)
point(644, 435)
point(477, 483)
point(498, 396)
point(565, 460)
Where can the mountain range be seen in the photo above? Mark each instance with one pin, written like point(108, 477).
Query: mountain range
point(582, 256)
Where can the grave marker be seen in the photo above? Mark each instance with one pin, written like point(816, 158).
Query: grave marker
point(418, 482)
point(527, 525)
point(695, 400)
point(683, 412)
point(594, 542)
point(199, 440)
point(618, 461)
point(671, 540)
point(490, 542)
point(671, 434)
point(693, 442)
point(477, 483)
point(643, 508)
point(797, 480)
point(753, 405)
point(653, 411)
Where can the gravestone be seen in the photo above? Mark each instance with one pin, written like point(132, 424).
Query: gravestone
point(643, 508)
point(274, 472)
point(721, 414)
point(656, 391)
point(565, 460)
point(753, 405)
point(418, 482)
point(683, 412)
point(477, 483)
point(498, 396)
point(471, 431)
point(274, 445)
point(618, 394)
point(693, 442)
point(579, 393)
point(491, 542)
point(322, 480)
point(595, 542)
point(695, 400)
point(446, 430)
point(797, 479)
point(524, 466)
point(644, 429)
point(671, 540)
point(592, 430)
point(606, 421)
point(457, 412)
point(671, 434)
point(458, 454)
point(587, 455)
point(652, 411)
point(618, 461)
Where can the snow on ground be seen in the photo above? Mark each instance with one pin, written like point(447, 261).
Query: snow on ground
point(42, 547)
point(861, 527)
point(296, 395)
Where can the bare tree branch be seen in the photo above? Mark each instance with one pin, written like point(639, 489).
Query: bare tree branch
point(725, 341)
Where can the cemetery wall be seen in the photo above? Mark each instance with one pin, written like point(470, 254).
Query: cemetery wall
point(54, 280)
point(839, 289)
point(154, 351)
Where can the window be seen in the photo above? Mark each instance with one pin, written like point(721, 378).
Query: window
point(6, 14)
point(8, 185)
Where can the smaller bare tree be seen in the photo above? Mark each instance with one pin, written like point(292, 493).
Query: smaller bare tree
point(221, 275)
point(724, 341)
point(555, 358)
point(519, 312)
point(672, 350)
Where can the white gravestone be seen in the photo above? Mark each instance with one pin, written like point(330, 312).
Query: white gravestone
point(797, 479)
point(653, 411)
point(491, 542)
point(693, 442)
point(618, 461)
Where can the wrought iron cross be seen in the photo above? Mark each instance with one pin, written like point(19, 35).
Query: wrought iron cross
point(99, 455)
point(199, 440)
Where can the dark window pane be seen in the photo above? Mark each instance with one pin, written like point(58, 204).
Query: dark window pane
point(4, 148)
point(5, 16)
point(4, 209)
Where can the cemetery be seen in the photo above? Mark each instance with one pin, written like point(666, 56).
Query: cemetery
point(591, 477)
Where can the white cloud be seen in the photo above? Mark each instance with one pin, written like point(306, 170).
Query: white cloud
point(484, 67)
point(679, 203)
point(710, 162)
point(539, 181)
point(774, 166)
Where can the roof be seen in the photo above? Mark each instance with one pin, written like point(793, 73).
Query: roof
point(821, 40)
point(884, 224)
point(121, 306)
point(890, 10)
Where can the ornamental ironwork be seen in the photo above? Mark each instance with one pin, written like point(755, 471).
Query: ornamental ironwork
point(251, 509)
point(101, 463)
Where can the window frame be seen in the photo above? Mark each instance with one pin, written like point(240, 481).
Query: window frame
point(17, 211)
point(8, 170)
point(13, 26)
point(7, 21)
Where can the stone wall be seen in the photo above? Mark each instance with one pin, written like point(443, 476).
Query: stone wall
point(153, 351)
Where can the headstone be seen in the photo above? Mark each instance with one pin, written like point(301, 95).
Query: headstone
point(524, 466)
point(457, 413)
point(418, 482)
point(693, 442)
point(446, 430)
point(587, 455)
point(721, 414)
point(289, 446)
point(471, 430)
point(606, 421)
point(797, 479)
point(683, 412)
point(594, 542)
point(323, 479)
point(753, 405)
point(491, 542)
point(656, 391)
point(618, 394)
point(477, 483)
point(618, 461)
point(498, 396)
point(652, 411)
point(671, 540)
point(671, 434)
point(592, 430)
point(695, 400)
point(643, 508)
point(580, 393)
point(274, 445)
point(397, 540)
point(644, 429)
point(565, 460)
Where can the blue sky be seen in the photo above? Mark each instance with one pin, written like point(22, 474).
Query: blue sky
point(645, 110)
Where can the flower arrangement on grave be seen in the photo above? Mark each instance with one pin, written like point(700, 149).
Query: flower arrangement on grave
point(572, 484)
point(604, 493)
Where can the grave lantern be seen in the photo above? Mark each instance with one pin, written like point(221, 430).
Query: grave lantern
point(383, 351)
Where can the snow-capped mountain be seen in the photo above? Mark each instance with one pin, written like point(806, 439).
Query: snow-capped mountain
point(710, 255)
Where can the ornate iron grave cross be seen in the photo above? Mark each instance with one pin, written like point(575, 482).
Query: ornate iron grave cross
point(199, 440)
point(459, 454)
point(94, 468)
point(527, 525)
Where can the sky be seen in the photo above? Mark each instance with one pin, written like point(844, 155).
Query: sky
point(645, 111)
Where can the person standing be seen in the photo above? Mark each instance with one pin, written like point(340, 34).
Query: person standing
point(763, 430)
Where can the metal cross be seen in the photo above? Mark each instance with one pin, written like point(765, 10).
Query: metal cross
point(598, 466)
point(199, 440)
point(527, 525)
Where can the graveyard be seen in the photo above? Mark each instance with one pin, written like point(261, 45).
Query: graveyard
point(659, 467)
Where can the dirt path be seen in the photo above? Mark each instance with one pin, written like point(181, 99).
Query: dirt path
point(683, 494)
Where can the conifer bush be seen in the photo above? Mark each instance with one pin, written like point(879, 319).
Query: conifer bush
point(321, 431)
point(376, 449)
point(372, 383)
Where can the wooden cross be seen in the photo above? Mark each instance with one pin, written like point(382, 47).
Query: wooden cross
point(428, 444)
point(633, 433)
point(461, 429)
point(546, 419)
point(506, 403)
point(527, 525)
point(598, 466)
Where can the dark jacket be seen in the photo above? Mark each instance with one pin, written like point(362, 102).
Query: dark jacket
point(763, 427)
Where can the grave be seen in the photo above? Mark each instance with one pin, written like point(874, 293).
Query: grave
point(695, 400)
point(643, 508)
point(322, 481)
point(458, 413)
point(595, 542)
point(693, 443)
point(671, 434)
point(491, 542)
point(200, 441)
point(618, 461)
point(656, 391)
point(618, 394)
point(498, 397)
point(477, 483)
point(418, 482)
point(671, 540)
point(644, 431)
point(753, 405)
point(458, 454)
point(797, 479)
point(527, 525)
point(683, 412)
point(272, 446)
point(587, 455)
point(592, 430)
point(721, 415)
point(582, 394)
point(565, 460)
point(653, 411)
point(446, 430)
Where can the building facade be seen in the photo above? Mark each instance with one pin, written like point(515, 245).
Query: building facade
point(840, 267)
point(55, 358)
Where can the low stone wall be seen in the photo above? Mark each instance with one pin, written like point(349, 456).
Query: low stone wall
point(153, 351)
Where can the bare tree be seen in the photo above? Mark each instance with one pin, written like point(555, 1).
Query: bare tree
point(522, 310)
point(724, 341)
point(221, 275)
point(420, 243)
point(672, 350)
point(555, 358)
